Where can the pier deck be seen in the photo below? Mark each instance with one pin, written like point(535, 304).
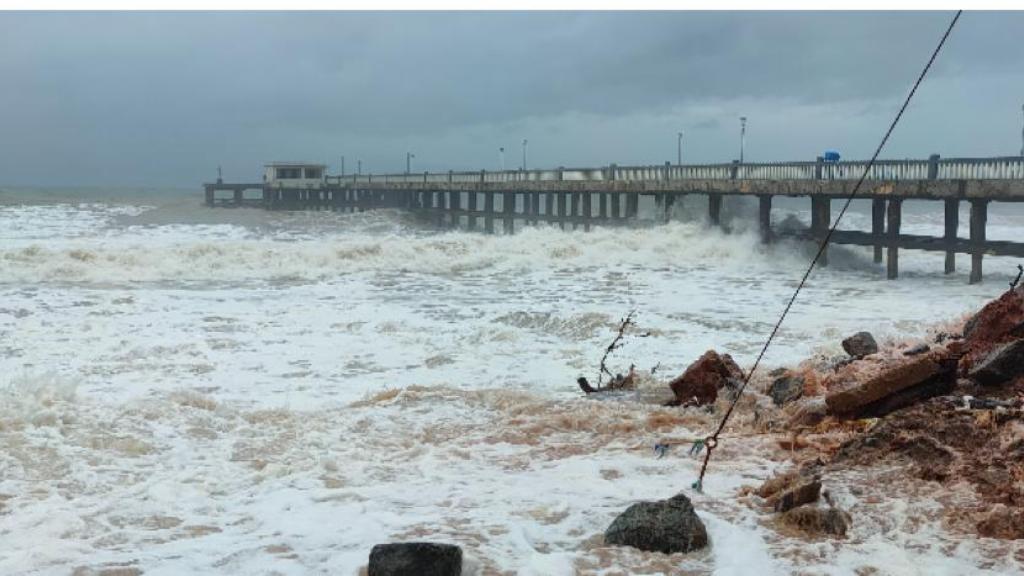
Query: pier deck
point(586, 197)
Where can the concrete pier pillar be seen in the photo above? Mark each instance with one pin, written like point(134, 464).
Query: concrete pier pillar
point(764, 205)
point(979, 216)
point(602, 206)
point(561, 210)
point(715, 208)
point(895, 213)
point(489, 212)
point(238, 197)
point(549, 206)
point(471, 218)
point(535, 207)
point(668, 201)
point(508, 206)
point(209, 195)
point(588, 211)
point(821, 220)
point(616, 199)
point(952, 224)
point(632, 205)
point(439, 208)
point(574, 209)
point(878, 226)
point(454, 207)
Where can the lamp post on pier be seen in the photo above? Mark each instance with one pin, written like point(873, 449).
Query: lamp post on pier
point(343, 165)
point(743, 135)
point(524, 154)
point(359, 167)
point(679, 149)
point(501, 158)
point(408, 162)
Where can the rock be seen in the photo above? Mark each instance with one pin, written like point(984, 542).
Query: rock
point(808, 412)
point(415, 559)
point(805, 492)
point(818, 521)
point(917, 350)
point(860, 345)
point(998, 322)
point(702, 380)
point(906, 383)
point(666, 526)
point(1003, 522)
point(786, 389)
point(1003, 363)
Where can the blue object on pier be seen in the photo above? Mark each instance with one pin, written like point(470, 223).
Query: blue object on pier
point(831, 156)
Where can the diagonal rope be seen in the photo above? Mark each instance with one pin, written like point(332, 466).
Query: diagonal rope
point(711, 442)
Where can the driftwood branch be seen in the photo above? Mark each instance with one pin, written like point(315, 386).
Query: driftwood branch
point(616, 343)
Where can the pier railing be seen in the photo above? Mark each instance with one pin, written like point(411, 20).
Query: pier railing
point(933, 168)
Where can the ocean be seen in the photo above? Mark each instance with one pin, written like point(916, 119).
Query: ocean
point(187, 390)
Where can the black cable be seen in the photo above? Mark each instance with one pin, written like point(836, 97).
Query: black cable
point(712, 441)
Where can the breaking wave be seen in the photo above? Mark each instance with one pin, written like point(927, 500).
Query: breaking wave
point(120, 260)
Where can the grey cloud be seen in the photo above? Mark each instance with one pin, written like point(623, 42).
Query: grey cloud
point(162, 97)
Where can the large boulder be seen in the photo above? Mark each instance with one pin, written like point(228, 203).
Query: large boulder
point(415, 559)
point(786, 389)
point(666, 526)
point(906, 383)
point(860, 345)
point(1004, 363)
point(702, 380)
point(998, 322)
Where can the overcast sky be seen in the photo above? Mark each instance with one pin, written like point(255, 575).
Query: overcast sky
point(162, 98)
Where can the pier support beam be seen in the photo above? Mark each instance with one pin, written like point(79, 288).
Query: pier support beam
point(821, 219)
point(561, 210)
point(632, 205)
point(489, 212)
point(549, 206)
point(979, 216)
point(535, 207)
point(764, 205)
point(668, 201)
point(952, 224)
point(715, 208)
point(471, 218)
point(616, 198)
point(508, 206)
point(454, 207)
point(895, 213)
point(574, 209)
point(878, 226)
point(588, 212)
point(602, 206)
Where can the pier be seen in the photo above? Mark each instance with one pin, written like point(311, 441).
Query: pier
point(585, 197)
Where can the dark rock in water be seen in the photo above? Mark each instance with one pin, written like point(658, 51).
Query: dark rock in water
point(817, 521)
point(800, 494)
point(781, 371)
point(786, 389)
point(585, 385)
point(666, 526)
point(1003, 363)
point(702, 380)
point(415, 559)
point(860, 345)
point(917, 350)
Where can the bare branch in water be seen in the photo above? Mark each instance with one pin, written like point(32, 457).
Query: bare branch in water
point(616, 343)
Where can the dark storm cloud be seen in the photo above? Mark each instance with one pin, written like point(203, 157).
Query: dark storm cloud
point(162, 97)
